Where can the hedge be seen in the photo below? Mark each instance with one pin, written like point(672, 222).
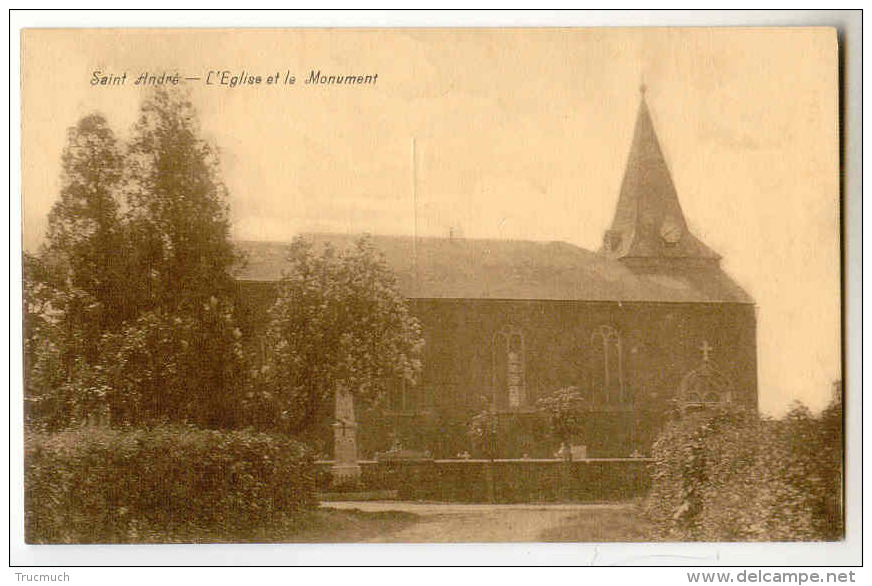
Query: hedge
point(168, 483)
point(503, 481)
point(732, 476)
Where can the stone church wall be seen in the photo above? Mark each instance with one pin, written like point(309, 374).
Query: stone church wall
point(649, 348)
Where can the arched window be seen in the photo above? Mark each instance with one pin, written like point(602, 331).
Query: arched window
point(509, 368)
point(607, 366)
point(704, 386)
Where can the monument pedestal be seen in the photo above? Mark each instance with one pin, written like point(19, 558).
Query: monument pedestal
point(345, 470)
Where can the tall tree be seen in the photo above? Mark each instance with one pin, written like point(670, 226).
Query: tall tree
point(179, 359)
point(339, 323)
point(179, 215)
point(84, 232)
point(73, 286)
point(129, 312)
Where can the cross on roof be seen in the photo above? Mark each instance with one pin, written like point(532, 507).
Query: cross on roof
point(706, 348)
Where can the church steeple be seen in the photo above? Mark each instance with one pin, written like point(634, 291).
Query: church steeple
point(649, 226)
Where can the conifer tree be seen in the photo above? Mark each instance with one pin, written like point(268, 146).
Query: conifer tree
point(73, 287)
point(84, 234)
point(179, 215)
point(180, 359)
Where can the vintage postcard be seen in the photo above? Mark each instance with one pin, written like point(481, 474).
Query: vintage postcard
point(539, 285)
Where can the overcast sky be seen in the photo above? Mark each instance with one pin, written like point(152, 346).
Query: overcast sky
point(519, 134)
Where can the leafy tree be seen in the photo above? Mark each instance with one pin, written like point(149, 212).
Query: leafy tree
point(696, 457)
point(179, 360)
point(46, 364)
point(60, 387)
point(83, 226)
point(832, 457)
point(339, 323)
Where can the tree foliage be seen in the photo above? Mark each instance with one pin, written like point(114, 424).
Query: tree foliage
point(84, 225)
point(339, 321)
point(73, 287)
point(179, 217)
point(484, 430)
point(729, 475)
point(128, 306)
point(565, 411)
point(174, 367)
point(80, 266)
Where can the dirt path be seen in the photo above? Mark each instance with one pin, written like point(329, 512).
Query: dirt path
point(441, 523)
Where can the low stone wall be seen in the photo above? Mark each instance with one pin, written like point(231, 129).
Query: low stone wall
point(504, 481)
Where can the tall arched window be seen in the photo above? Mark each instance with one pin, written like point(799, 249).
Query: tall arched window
point(509, 368)
point(607, 369)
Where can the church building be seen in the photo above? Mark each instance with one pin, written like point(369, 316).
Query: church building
point(646, 326)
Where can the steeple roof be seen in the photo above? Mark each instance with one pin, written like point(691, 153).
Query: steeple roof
point(649, 222)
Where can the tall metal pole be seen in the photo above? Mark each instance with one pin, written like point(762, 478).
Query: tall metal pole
point(414, 213)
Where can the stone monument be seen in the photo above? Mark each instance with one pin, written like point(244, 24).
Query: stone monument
point(345, 469)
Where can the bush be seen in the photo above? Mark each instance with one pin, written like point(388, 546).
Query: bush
point(175, 367)
point(169, 483)
point(565, 410)
point(732, 476)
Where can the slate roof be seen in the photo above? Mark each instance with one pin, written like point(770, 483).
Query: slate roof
point(510, 269)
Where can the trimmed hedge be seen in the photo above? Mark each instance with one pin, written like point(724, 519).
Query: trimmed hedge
point(168, 483)
point(504, 481)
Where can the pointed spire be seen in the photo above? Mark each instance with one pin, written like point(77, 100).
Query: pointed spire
point(649, 222)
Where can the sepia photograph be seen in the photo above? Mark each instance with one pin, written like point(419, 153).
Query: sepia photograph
point(436, 285)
